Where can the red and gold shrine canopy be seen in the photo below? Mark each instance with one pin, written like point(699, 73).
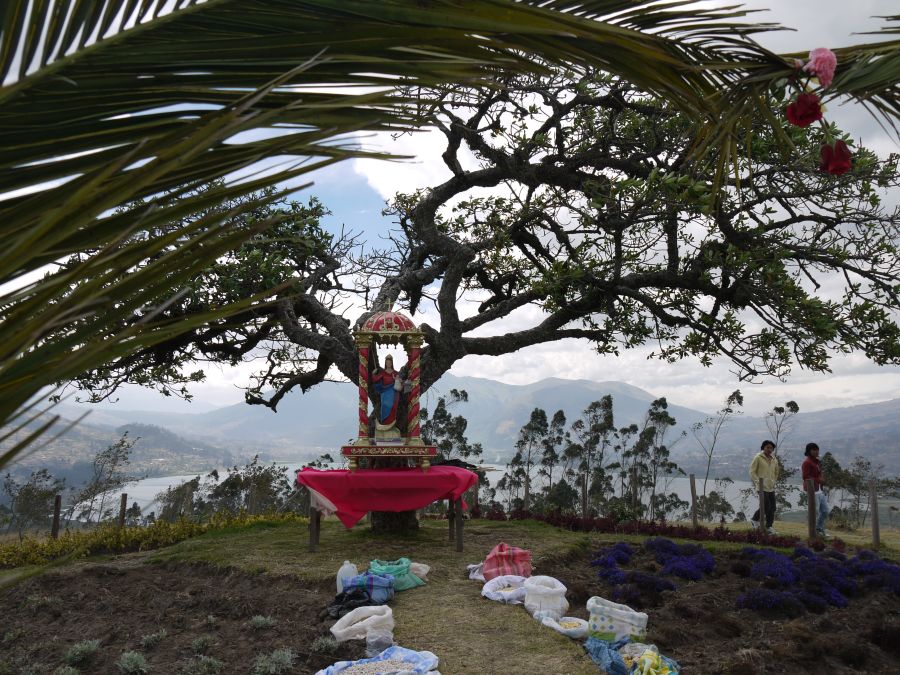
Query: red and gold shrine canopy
point(389, 327)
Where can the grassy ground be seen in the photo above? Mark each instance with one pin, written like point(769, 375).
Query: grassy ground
point(448, 616)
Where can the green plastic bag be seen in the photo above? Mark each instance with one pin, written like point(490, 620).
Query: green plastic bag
point(403, 578)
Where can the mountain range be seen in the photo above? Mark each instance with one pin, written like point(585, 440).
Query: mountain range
point(324, 418)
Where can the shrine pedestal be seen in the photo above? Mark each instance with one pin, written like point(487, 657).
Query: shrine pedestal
point(421, 453)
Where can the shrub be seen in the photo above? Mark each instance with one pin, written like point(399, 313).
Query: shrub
point(325, 644)
point(202, 665)
point(133, 663)
point(81, 651)
point(37, 601)
point(260, 622)
point(763, 599)
point(203, 643)
point(278, 662)
point(150, 640)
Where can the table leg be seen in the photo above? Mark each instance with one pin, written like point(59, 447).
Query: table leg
point(459, 525)
point(451, 516)
point(314, 524)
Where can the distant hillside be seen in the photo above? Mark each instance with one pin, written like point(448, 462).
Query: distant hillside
point(156, 452)
point(324, 418)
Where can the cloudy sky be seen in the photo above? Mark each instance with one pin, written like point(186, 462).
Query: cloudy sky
point(356, 193)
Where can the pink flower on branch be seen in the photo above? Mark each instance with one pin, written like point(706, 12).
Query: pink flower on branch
point(822, 63)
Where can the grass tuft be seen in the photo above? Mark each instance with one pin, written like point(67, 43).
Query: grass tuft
point(325, 644)
point(202, 665)
point(203, 643)
point(133, 663)
point(81, 652)
point(278, 662)
point(260, 622)
point(150, 640)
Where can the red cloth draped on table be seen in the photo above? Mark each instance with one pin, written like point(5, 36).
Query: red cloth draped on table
point(356, 493)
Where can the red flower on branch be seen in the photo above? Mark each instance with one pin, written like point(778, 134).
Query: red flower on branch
point(835, 159)
point(805, 110)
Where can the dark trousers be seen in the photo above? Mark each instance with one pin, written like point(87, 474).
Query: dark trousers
point(769, 503)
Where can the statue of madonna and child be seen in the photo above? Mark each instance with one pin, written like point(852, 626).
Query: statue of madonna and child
point(389, 384)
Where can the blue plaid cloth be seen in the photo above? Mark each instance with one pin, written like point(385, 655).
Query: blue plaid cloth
point(379, 587)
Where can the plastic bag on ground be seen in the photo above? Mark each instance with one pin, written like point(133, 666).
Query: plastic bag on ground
point(420, 663)
point(508, 588)
point(633, 650)
point(506, 559)
point(606, 655)
point(475, 572)
point(421, 570)
point(612, 621)
point(377, 640)
point(654, 663)
point(380, 587)
point(357, 624)
point(399, 569)
point(547, 595)
point(570, 626)
point(348, 601)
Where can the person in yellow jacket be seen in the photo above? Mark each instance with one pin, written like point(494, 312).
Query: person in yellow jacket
point(765, 466)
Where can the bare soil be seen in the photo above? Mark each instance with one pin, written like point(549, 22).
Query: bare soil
point(119, 604)
point(699, 625)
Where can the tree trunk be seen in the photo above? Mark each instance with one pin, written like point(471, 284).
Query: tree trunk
point(394, 522)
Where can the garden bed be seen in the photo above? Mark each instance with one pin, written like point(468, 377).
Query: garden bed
point(204, 612)
point(700, 625)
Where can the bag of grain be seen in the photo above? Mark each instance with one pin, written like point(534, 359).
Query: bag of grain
point(509, 589)
point(570, 626)
point(611, 621)
point(357, 624)
point(546, 595)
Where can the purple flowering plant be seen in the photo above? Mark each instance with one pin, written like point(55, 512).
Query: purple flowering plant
point(815, 580)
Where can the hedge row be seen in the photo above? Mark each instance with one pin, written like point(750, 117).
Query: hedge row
point(109, 539)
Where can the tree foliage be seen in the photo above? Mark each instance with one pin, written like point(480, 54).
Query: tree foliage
point(596, 216)
point(31, 501)
point(446, 431)
point(110, 102)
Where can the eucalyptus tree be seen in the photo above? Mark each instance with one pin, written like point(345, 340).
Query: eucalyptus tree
point(708, 431)
point(116, 102)
point(555, 442)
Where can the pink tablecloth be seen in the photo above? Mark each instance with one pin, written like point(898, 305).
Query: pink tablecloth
point(356, 493)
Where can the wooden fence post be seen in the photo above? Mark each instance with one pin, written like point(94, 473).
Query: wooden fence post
point(762, 506)
point(459, 525)
point(811, 506)
point(873, 509)
point(57, 507)
point(123, 506)
point(451, 517)
point(694, 502)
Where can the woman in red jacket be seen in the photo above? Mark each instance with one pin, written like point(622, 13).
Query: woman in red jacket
point(812, 470)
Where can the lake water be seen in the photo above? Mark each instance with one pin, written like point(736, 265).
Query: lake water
point(144, 492)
